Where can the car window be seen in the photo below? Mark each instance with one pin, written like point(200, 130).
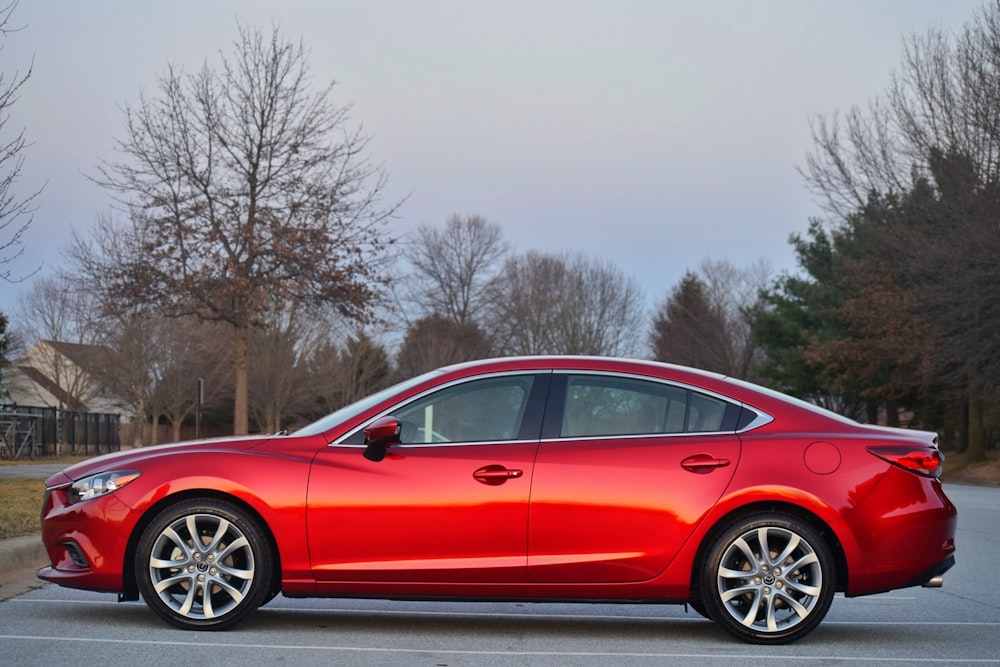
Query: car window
point(489, 409)
point(603, 405)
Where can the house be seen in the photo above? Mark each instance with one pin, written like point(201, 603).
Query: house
point(62, 375)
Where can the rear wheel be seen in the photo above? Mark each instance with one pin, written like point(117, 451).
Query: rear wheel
point(204, 564)
point(768, 579)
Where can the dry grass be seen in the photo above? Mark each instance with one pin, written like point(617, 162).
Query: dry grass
point(63, 460)
point(20, 506)
point(956, 469)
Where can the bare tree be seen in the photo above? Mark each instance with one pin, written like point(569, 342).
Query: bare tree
point(187, 350)
point(564, 304)
point(434, 341)
point(704, 321)
point(248, 192)
point(453, 267)
point(346, 373)
point(279, 370)
point(15, 210)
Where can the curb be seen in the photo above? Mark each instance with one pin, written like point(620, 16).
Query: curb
point(20, 558)
point(21, 552)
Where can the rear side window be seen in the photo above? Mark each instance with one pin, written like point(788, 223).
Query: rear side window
point(598, 405)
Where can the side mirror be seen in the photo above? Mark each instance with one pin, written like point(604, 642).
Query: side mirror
point(379, 435)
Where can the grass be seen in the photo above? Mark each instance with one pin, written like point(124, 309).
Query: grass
point(20, 506)
point(21, 498)
point(63, 460)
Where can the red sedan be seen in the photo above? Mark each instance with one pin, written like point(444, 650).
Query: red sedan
point(539, 479)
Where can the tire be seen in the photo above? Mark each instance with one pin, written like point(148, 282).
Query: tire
point(204, 565)
point(768, 579)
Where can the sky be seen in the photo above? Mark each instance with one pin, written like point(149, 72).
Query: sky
point(653, 134)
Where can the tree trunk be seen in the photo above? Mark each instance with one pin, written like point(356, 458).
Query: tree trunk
point(891, 412)
point(240, 415)
point(976, 451)
point(154, 429)
point(138, 423)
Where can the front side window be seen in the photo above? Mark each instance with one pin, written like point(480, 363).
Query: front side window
point(605, 405)
point(490, 409)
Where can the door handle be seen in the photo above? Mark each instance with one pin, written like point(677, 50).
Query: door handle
point(494, 475)
point(704, 463)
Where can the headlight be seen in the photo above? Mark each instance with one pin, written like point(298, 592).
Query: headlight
point(100, 484)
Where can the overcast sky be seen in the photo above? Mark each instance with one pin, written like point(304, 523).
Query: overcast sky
point(651, 133)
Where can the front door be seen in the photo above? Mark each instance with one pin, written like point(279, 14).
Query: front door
point(448, 504)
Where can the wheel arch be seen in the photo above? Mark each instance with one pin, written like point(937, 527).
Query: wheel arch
point(827, 533)
point(130, 586)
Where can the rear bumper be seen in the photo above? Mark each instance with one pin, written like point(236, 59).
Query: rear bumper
point(905, 535)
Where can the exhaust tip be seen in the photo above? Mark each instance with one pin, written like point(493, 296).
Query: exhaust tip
point(934, 582)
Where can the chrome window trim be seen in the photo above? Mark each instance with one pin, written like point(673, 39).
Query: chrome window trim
point(761, 419)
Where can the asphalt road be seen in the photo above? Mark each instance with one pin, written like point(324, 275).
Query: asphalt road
point(955, 625)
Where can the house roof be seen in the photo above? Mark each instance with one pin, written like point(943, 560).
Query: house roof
point(85, 356)
point(71, 402)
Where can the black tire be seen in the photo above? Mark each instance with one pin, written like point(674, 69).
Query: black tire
point(204, 565)
point(768, 579)
point(698, 606)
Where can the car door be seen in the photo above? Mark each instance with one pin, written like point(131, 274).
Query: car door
point(447, 504)
point(626, 468)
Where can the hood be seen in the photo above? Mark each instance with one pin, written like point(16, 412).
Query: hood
point(135, 457)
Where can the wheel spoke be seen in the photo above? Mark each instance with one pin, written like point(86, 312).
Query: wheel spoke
point(164, 584)
point(234, 593)
point(762, 541)
point(185, 609)
point(793, 544)
point(237, 573)
point(747, 551)
point(807, 559)
point(733, 593)
point(171, 535)
point(811, 591)
point(796, 606)
point(751, 616)
point(240, 543)
point(772, 623)
point(220, 531)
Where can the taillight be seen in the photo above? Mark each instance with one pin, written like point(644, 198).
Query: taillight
point(924, 461)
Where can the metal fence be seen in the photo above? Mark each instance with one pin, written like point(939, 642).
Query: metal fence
point(30, 432)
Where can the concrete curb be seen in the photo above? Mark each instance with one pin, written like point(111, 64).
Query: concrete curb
point(20, 558)
point(18, 553)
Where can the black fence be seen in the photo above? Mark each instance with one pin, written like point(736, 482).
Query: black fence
point(28, 432)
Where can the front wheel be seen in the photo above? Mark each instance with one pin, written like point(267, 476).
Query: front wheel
point(204, 564)
point(768, 579)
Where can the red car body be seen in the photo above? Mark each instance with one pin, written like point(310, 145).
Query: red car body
point(565, 508)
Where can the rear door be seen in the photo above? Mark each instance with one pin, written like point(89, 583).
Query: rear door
point(626, 468)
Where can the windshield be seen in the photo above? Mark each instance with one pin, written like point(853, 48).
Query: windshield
point(348, 411)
